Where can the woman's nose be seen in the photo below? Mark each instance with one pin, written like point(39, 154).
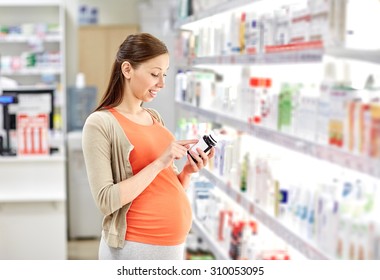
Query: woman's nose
point(161, 82)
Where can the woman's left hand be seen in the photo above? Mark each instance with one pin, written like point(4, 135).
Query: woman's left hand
point(202, 159)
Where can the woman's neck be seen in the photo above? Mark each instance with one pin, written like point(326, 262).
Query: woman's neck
point(132, 108)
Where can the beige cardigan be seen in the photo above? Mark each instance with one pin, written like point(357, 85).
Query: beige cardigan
point(106, 151)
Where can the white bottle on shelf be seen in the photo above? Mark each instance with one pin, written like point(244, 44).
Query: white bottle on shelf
point(180, 86)
point(252, 33)
point(266, 32)
point(243, 97)
point(281, 26)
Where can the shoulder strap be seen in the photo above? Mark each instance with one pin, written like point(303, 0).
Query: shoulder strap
point(155, 115)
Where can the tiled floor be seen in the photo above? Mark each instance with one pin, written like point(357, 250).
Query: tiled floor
point(86, 249)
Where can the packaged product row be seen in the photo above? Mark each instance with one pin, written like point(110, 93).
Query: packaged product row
point(28, 29)
point(266, 26)
point(31, 60)
point(329, 206)
point(236, 233)
point(337, 104)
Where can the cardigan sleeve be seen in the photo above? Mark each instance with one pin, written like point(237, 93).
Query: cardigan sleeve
point(96, 144)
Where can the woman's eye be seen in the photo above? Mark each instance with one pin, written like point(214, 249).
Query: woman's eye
point(155, 75)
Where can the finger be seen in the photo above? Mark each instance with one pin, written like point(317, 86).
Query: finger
point(201, 158)
point(192, 163)
point(187, 142)
point(195, 157)
point(212, 153)
point(180, 151)
point(179, 148)
point(202, 154)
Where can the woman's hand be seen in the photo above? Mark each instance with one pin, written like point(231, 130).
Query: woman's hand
point(202, 159)
point(176, 150)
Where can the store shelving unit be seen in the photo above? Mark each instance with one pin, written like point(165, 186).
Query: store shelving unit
point(307, 248)
point(224, 6)
point(303, 56)
point(334, 155)
point(213, 245)
point(33, 188)
point(338, 156)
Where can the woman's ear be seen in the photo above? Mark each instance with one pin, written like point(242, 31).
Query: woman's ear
point(126, 68)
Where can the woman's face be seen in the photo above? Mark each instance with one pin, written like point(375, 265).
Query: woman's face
point(149, 78)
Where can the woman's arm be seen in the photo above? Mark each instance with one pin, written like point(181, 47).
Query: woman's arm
point(192, 167)
point(108, 195)
point(133, 186)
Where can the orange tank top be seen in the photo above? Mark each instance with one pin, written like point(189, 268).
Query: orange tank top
point(161, 214)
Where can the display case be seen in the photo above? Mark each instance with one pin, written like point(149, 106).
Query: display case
point(33, 185)
point(237, 59)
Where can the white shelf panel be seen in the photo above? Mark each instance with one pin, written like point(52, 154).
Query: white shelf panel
point(306, 247)
point(213, 245)
point(26, 38)
point(216, 116)
point(337, 156)
point(33, 71)
point(17, 159)
point(300, 56)
point(296, 56)
point(23, 3)
point(362, 55)
point(31, 197)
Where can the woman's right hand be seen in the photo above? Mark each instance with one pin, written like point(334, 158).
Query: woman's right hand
point(176, 150)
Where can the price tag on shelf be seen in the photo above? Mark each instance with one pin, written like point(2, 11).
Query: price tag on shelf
point(360, 166)
point(251, 209)
point(252, 59)
point(377, 169)
point(347, 161)
point(371, 170)
point(238, 198)
point(229, 189)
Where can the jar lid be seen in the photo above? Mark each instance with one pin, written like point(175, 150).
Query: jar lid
point(213, 136)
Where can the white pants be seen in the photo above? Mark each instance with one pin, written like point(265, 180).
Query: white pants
point(140, 251)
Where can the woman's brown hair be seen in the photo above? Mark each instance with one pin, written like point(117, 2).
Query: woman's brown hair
point(136, 49)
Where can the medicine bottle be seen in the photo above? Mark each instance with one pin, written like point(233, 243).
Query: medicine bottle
point(205, 143)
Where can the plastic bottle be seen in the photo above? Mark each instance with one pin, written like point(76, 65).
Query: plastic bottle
point(205, 143)
point(242, 32)
point(252, 33)
point(180, 86)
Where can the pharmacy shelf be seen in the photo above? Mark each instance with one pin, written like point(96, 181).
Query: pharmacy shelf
point(33, 71)
point(23, 3)
point(32, 197)
point(29, 38)
point(337, 156)
point(217, 9)
point(48, 158)
point(305, 247)
point(356, 54)
point(215, 116)
point(311, 55)
point(213, 245)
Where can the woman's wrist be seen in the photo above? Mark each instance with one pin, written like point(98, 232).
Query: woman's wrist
point(157, 165)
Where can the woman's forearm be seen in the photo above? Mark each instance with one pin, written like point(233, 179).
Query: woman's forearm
point(135, 185)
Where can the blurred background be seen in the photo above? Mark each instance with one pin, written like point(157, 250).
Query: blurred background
point(290, 88)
